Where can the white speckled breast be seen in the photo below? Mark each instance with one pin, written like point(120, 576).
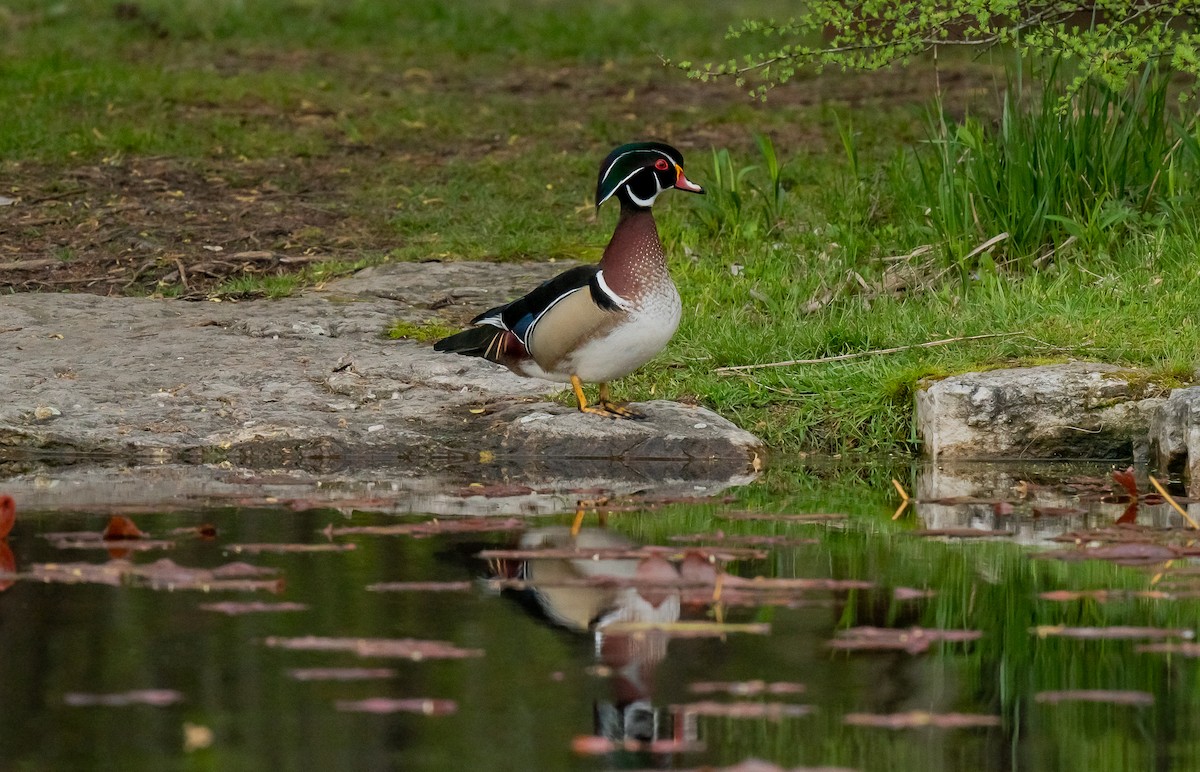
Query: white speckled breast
point(640, 337)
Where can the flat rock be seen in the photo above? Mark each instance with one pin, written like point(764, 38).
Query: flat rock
point(262, 382)
point(1077, 410)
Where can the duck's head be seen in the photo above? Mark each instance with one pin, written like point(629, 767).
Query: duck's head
point(636, 173)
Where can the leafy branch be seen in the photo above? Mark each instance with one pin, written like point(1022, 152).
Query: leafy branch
point(1109, 40)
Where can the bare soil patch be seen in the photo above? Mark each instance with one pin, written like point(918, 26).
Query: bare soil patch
point(172, 226)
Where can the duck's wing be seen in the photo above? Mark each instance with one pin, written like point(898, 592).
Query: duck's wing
point(522, 314)
point(502, 333)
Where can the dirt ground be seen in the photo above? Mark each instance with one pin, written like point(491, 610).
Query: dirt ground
point(145, 225)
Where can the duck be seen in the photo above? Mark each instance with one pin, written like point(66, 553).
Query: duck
point(596, 323)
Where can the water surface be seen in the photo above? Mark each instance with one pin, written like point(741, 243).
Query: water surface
point(546, 672)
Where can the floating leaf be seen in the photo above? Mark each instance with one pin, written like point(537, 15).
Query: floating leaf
point(618, 553)
point(592, 745)
point(730, 584)
point(914, 640)
point(399, 648)
point(284, 548)
point(234, 608)
point(160, 575)
point(420, 587)
point(746, 688)
point(1129, 554)
point(204, 531)
point(687, 629)
point(120, 527)
point(1102, 596)
point(918, 719)
point(772, 711)
point(1126, 480)
point(494, 491)
point(159, 698)
point(1116, 632)
point(384, 705)
point(430, 527)
point(340, 673)
point(961, 533)
point(745, 540)
point(82, 540)
point(811, 517)
point(1112, 697)
point(1173, 647)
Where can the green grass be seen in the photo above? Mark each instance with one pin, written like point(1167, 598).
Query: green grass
point(472, 131)
point(426, 333)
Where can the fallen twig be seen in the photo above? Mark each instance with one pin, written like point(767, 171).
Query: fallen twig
point(857, 354)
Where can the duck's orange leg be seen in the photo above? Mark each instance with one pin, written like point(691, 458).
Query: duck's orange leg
point(605, 408)
point(616, 408)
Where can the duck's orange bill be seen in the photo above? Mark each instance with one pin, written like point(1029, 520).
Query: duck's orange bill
point(683, 183)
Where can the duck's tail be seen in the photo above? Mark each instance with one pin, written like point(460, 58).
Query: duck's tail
point(492, 343)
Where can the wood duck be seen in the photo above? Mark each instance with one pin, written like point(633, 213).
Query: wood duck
point(595, 323)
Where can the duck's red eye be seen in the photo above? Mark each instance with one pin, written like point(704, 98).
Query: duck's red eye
point(662, 165)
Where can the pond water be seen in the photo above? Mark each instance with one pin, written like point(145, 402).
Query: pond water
point(652, 648)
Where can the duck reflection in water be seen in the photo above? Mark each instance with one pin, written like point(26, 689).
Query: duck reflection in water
point(642, 590)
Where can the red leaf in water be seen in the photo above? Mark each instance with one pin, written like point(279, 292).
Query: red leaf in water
point(914, 640)
point(1129, 516)
point(772, 711)
point(234, 608)
point(120, 527)
point(1115, 632)
point(206, 531)
point(400, 648)
point(1125, 554)
point(341, 673)
point(383, 705)
point(1126, 480)
point(159, 698)
point(8, 515)
point(917, 719)
point(1113, 697)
